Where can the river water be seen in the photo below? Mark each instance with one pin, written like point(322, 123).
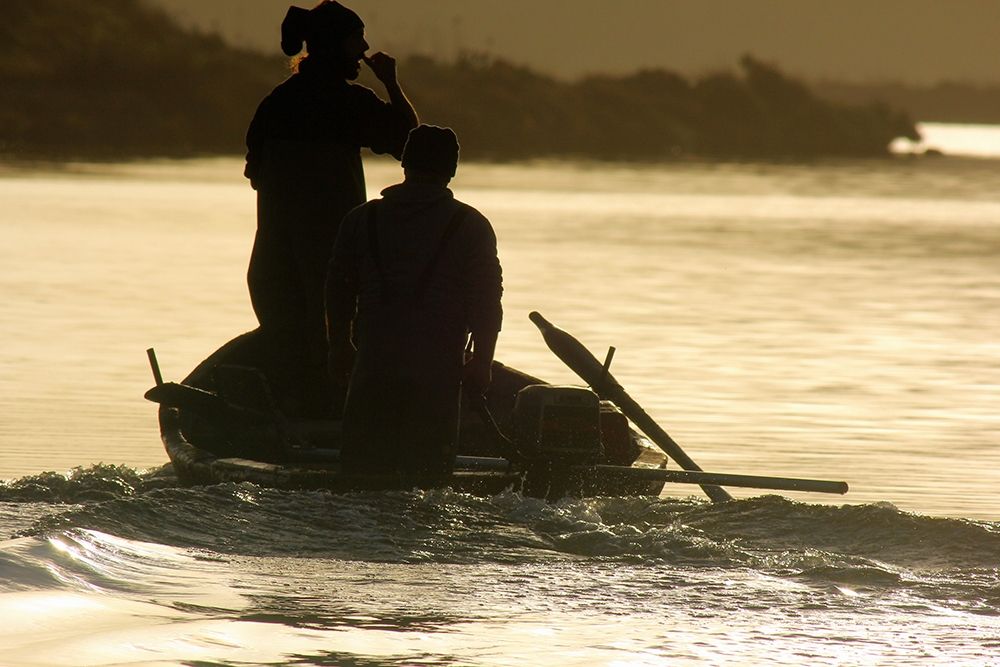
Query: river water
point(835, 320)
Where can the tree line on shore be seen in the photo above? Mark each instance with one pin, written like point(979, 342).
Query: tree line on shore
point(942, 102)
point(89, 80)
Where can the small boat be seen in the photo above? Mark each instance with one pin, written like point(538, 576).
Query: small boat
point(221, 424)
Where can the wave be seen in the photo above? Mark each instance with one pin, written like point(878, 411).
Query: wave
point(443, 526)
point(141, 538)
point(86, 484)
point(76, 595)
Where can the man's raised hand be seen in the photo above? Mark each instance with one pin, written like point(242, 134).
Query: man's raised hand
point(383, 66)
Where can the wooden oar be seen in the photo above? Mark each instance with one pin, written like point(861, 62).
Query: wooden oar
point(155, 366)
point(573, 353)
point(205, 403)
point(700, 477)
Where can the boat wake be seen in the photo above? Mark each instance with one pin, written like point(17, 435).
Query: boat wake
point(111, 567)
point(766, 532)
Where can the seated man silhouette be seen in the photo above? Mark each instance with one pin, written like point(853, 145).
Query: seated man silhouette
point(413, 274)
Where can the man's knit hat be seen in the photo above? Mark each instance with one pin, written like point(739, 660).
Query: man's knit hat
point(432, 148)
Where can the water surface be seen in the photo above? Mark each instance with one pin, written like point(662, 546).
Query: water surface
point(834, 320)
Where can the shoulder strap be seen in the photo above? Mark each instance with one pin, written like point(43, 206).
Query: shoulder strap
point(373, 248)
point(449, 231)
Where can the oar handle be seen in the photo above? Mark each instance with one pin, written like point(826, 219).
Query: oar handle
point(155, 365)
point(605, 369)
point(717, 478)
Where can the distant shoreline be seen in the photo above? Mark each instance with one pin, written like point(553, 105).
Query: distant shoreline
point(983, 137)
point(129, 82)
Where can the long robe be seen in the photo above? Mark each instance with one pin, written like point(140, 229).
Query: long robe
point(304, 160)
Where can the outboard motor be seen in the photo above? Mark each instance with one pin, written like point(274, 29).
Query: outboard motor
point(556, 428)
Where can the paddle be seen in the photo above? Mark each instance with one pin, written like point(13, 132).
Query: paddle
point(205, 403)
point(155, 366)
point(583, 363)
point(700, 477)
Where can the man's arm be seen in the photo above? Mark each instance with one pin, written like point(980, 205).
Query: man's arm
point(478, 371)
point(254, 140)
point(341, 303)
point(483, 290)
point(384, 67)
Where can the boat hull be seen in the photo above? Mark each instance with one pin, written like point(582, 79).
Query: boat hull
point(202, 452)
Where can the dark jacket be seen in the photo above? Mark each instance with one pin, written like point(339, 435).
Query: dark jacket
point(304, 147)
point(410, 322)
point(464, 290)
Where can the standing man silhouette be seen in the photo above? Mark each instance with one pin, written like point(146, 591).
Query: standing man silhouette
point(304, 160)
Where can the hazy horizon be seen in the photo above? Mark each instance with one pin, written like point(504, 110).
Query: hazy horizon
point(910, 41)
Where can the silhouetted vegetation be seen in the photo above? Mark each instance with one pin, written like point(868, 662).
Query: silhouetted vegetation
point(945, 102)
point(117, 79)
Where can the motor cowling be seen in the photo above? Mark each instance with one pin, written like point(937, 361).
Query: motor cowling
point(558, 424)
point(620, 448)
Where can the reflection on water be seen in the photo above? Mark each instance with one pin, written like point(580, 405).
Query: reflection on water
point(969, 139)
point(234, 574)
point(833, 320)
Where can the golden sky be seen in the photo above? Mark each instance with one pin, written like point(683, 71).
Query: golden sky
point(917, 41)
